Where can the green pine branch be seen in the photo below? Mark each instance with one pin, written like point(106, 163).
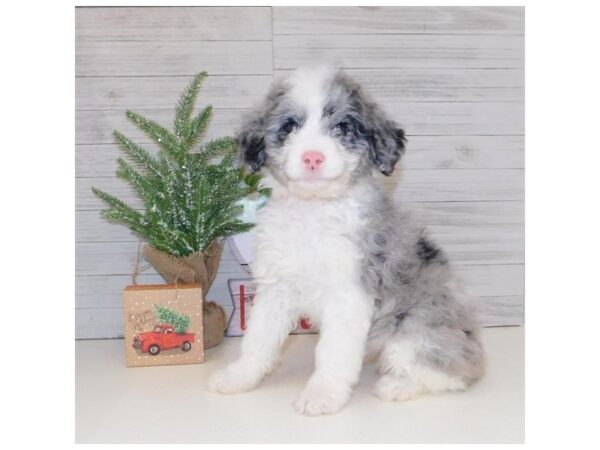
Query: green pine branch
point(190, 195)
point(121, 212)
point(185, 106)
point(197, 128)
point(163, 137)
point(138, 155)
point(221, 147)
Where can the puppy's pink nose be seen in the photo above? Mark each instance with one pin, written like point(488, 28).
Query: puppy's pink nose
point(313, 159)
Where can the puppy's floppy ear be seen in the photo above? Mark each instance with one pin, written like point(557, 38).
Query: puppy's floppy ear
point(251, 141)
point(252, 136)
point(386, 140)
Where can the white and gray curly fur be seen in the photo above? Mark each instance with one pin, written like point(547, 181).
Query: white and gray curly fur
point(332, 246)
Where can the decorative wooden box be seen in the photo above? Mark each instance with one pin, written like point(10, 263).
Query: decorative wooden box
point(163, 325)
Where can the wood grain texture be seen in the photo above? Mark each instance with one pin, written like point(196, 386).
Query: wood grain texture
point(103, 291)
point(464, 245)
point(172, 24)
point(149, 58)
point(401, 85)
point(108, 322)
point(410, 185)
point(90, 226)
point(398, 20)
point(398, 51)
point(423, 152)
point(417, 118)
point(118, 258)
point(96, 127)
point(471, 233)
point(122, 93)
point(464, 152)
point(452, 77)
point(245, 91)
point(464, 185)
point(459, 118)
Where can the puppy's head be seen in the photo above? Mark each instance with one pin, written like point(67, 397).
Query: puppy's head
point(317, 133)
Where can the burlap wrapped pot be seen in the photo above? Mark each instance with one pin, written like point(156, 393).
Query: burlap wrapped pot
point(201, 268)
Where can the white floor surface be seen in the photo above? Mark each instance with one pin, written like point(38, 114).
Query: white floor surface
point(170, 404)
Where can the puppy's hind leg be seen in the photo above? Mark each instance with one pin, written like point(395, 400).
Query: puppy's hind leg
point(408, 370)
point(271, 321)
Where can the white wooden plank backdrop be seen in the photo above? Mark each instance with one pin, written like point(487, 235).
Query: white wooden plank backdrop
point(453, 77)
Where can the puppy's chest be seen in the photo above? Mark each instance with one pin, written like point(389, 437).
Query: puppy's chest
point(309, 237)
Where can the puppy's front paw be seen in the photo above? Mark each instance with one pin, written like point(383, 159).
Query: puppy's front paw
point(233, 379)
point(322, 397)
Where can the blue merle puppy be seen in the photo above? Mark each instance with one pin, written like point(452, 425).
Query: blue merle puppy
point(332, 246)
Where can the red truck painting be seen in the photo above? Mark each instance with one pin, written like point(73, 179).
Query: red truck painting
point(162, 337)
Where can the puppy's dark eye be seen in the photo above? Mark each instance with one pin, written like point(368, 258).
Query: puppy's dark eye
point(343, 127)
point(288, 126)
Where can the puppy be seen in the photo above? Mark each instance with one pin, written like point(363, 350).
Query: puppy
point(332, 246)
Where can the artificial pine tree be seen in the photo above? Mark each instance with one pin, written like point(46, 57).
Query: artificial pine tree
point(189, 200)
point(190, 193)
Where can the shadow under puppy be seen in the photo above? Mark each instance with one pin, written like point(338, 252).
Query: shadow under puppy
point(331, 245)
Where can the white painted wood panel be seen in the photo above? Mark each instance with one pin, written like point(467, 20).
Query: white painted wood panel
point(244, 91)
point(398, 20)
point(490, 280)
point(464, 246)
point(461, 217)
point(118, 258)
point(464, 185)
point(108, 323)
point(439, 84)
point(452, 77)
point(464, 152)
point(409, 185)
point(104, 291)
point(146, 58)
point(468, 244)
point(122, 93)
point(172, 24)
point(501, 311)
point(457, 214)
point(417, 118)
point(459, 118)
point(96, 127)
point(380, 51)
point(423, 152)
point(101, 291)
